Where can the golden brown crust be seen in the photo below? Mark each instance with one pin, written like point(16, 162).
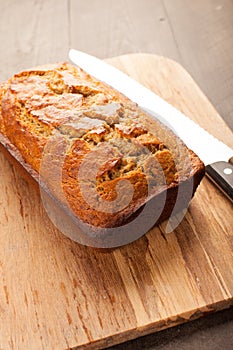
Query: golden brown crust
point(59, 118)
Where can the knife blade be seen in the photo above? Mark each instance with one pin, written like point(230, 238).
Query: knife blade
point(217, 156)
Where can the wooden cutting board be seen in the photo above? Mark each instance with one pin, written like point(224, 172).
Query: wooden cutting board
point(57, 294)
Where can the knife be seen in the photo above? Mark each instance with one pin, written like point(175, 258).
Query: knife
point(217, 157)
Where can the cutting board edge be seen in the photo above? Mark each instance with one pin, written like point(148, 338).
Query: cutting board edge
point(156, 326)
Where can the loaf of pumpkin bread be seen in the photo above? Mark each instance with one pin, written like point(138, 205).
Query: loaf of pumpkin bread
point(94, 150)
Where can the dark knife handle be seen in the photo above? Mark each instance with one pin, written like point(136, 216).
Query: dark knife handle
point(221, 173)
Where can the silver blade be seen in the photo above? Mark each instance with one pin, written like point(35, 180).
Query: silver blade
point(207, 147)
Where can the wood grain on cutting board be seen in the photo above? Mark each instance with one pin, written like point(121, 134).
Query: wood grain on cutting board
point(57, 294)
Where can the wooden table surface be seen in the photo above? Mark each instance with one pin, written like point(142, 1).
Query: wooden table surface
point(198, 34)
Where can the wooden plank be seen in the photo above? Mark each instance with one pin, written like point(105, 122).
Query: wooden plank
point(203, 32)
point(32, 32)
point(57, 294)
point(109, 28)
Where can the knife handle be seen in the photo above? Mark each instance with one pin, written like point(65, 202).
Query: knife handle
point(221, 173)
